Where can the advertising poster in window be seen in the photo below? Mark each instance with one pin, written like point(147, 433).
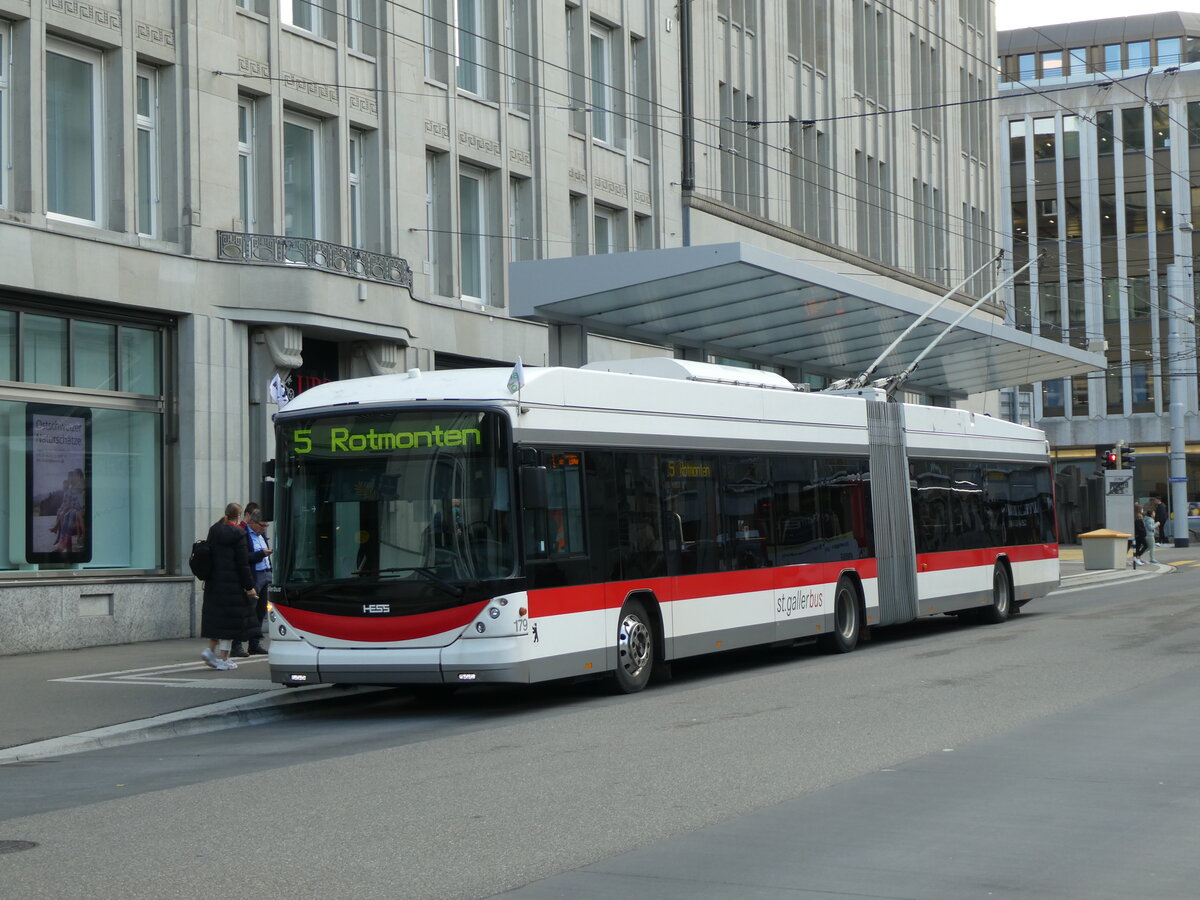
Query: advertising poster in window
point(58, 485)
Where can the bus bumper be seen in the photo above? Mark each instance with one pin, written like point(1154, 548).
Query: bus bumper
point(495, 660)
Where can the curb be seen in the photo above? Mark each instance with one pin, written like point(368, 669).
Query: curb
point(252, 710)
point(1102, 575)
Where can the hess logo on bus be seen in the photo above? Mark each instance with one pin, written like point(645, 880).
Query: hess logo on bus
point(375, 609)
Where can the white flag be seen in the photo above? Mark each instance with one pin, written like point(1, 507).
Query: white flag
point(516, 380)
point(277, 392)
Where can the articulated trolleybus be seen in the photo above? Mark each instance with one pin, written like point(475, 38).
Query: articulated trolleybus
point(434, 528)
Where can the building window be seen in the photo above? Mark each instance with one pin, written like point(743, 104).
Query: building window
point(1168, 51)
point(518, 26)
point(575, 55)
point(1070, 137)
point(1112, 58)
point(523, 240)
point(1105, 133)
point(147, 151)
point(469, 32)
point(1026, 67)
point(73, 130)
point(473, 233)
point(1139, 54)
point(301, 177)
point(604, 224)
point(1043, 139)
point(355, 186)
point(1052, 64)
point(469, 62)
point(245, 125)
point(4, 151)
point(1078, 60)
point(75, 456)
point(1133, 129)
point(437, 41)
point(362, 18)
point(643, 232)
point(602, 80)
point(579, 229)
point(262, 7)
point(307, 15)
point(439, 246)
point(643, 123)
point(811, 200)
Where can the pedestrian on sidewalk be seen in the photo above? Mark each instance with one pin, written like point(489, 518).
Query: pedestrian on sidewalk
point(239, 647)
point(260, 561)
point(1139, 534)
point(228, 613)
point(1161, 517)
point(1148, 524)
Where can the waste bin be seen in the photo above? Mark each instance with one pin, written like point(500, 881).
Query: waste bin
point(1104, 549)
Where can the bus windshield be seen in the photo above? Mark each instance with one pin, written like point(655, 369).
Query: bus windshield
point(397, 494)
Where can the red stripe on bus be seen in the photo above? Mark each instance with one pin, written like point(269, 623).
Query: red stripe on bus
point(593, 597)
point(965, 559)
point(381, 629)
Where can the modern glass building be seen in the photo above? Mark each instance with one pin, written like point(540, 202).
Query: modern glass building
point(1099, 126)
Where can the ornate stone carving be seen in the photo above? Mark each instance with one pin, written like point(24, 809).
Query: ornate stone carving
point(321, 91)
point(164, 37)
point(285, 343)
point(482, 144)
point(253, 67)
point(363, 102)
point(608, 186)
point(280, 250)
point(87, 12)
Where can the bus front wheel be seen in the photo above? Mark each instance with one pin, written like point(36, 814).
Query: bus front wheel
point(1002, 597)
point(635, 648)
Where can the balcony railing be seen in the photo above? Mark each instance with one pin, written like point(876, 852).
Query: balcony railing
point(275, 249)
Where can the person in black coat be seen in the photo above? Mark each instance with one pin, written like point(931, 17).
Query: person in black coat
point(228, 613)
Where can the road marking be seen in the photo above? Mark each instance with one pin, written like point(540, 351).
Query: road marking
point(164, 676)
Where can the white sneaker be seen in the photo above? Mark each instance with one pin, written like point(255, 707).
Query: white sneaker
point(1138, 562)
point(224, 665)
point(210, 658)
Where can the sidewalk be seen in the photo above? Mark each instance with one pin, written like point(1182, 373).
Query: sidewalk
point(68, 701)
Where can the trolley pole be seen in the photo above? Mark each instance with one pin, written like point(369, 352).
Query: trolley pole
point(1177, 472)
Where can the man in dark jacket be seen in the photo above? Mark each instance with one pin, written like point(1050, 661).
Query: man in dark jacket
point(228, 613)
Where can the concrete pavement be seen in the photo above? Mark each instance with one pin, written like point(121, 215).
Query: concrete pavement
point(70, 701)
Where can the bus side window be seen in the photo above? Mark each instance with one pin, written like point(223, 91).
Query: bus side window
point(640, 515)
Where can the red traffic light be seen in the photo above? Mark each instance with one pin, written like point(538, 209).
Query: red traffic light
point(1110, 459)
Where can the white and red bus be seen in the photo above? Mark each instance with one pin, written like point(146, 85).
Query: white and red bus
point(433, 528)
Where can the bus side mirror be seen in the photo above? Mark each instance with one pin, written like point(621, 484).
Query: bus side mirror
point(266, 491)
point(533, 487)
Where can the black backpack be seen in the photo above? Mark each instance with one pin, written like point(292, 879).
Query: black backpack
point(200, 562)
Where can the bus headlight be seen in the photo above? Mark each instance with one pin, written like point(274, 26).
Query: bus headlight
point(494, 612)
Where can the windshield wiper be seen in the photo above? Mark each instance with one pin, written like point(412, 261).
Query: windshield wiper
point(452, 589)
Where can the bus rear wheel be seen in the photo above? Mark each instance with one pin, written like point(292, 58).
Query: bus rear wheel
point(635, 648)
point(1002, 597)
point(847, 619)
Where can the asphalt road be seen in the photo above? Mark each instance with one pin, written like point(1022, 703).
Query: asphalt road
point(1052, 756)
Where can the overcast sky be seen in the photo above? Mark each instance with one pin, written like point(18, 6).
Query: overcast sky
point(1025, 13)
